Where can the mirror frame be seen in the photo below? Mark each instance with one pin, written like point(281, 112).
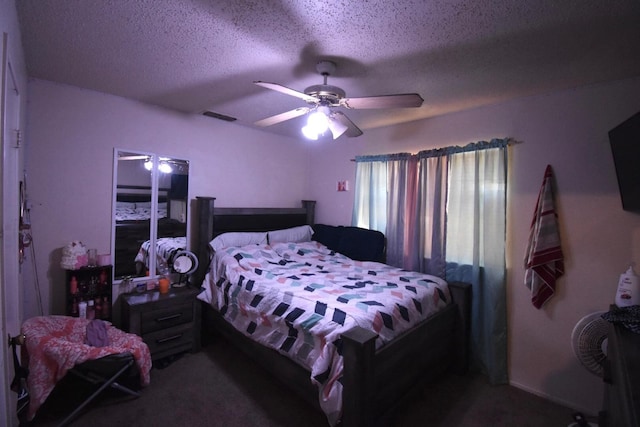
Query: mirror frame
point(153, 221)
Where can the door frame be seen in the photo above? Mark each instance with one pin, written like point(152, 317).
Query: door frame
point(11, 310)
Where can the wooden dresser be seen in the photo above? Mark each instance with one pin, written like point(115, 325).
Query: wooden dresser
point(622, 379)
point(168, 323)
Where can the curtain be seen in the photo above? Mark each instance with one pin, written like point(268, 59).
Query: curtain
point(431, 213)
point(444, 213)
point(476, 234)
point(385, 201)
point(400, 208)
point(370, 204)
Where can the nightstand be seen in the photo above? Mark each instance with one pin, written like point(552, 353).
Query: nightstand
point(621, 376)
point(169, 323)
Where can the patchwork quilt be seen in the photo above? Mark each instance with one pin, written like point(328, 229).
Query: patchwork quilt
point(138, 214)
point(298, 298)
point(166, 248)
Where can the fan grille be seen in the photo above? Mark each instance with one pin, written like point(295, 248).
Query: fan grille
point(190, 262)
point(589, 339)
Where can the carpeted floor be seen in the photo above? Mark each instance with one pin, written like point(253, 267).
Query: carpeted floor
point(219, 386)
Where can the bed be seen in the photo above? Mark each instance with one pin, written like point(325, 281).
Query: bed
point(132, 214)
point(366, 373)
point(166, 249)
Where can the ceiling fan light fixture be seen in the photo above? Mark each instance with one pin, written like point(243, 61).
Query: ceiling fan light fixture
point(337, 128)
point(309, 133)
point(318, 121)
point(323, 97)
point(165, 167)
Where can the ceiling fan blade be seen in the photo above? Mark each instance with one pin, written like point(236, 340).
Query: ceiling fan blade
point(292, 114)
point(352, 130)
point(404, 100)
point(287, 91)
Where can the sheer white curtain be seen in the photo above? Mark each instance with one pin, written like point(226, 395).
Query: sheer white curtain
point(370, 205)
point(476, 234)
point(431, 213)
point(444, 213)
point(401, 176)
point(385, 201)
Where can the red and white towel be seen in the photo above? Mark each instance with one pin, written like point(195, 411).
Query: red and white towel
point(544, 262)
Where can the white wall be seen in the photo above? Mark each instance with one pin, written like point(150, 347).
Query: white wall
point(569, 131)
point(72, 134)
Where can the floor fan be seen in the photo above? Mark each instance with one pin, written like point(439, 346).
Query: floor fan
point(589, 343)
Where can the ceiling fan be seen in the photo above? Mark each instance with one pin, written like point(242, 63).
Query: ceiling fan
point(324, 98)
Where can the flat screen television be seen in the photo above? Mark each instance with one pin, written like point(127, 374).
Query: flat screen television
point(625, 146)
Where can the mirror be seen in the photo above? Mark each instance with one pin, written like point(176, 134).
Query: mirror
point(149, 213)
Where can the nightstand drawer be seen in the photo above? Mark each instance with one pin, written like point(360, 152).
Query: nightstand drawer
point(169, 339)
point(169, 323)
point(156, 320)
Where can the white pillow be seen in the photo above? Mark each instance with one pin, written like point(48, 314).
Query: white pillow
point(238, 239)
point(291, 235)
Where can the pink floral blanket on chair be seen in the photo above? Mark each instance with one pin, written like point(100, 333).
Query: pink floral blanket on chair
point(55, 344)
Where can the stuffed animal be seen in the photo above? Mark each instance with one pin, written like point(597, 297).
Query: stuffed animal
point(74, 256)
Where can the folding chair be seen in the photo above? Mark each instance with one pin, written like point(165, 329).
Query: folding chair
point(55, 347)
point(19, 382)
point(104, 373)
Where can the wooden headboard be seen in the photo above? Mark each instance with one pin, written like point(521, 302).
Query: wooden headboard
point(136, 193)
point(211, 221)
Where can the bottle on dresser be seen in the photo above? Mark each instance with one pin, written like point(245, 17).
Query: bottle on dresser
point(105, 308)
point(98, 308)
point(74, 307)
point(91, 313)
point(73, 285)
point(82, 309)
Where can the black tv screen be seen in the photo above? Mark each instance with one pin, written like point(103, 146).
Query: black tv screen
point(625, 146)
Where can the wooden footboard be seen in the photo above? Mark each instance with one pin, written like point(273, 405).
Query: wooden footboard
point(374, 382)
point(401, 367)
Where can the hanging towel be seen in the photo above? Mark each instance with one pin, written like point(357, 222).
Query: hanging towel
point(544, 262)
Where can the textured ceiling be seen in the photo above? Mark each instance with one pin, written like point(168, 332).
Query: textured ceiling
point(196, 55)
